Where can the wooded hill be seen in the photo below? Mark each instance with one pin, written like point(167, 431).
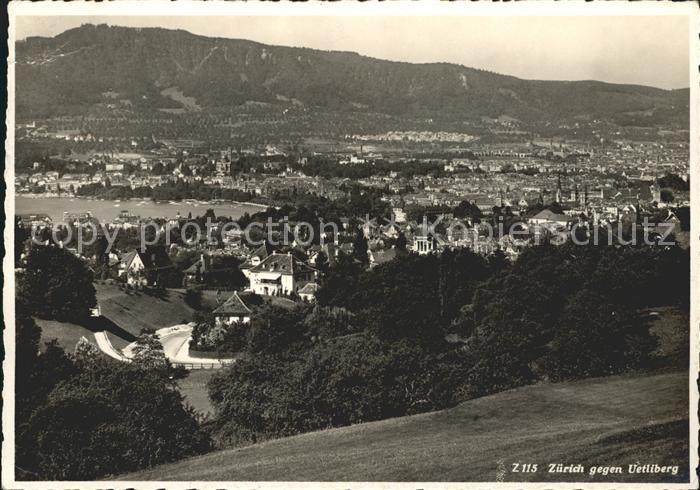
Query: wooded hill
point(160, 68)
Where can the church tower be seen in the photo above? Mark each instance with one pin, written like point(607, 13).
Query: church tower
point(558, 195)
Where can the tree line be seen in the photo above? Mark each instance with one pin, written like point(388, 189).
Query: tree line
point(415, 334)
point(81, 415)
point(423, 333)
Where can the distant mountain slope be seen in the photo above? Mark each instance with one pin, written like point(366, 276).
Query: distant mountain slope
point(91, 64)
point(604, 421)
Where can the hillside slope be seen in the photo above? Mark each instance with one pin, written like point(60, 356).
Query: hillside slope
point(603, 421)
point(124, 316)
point(142, 309)
point(160, 68)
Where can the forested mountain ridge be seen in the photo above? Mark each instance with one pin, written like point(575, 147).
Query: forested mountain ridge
point(160, 68)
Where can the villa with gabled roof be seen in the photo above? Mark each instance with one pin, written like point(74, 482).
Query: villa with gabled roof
point(257, 256)
point(280, 274)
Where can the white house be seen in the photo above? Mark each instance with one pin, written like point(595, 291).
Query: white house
point(548, 218)
point(280, 274)
point(141, 267)
point(424, 244)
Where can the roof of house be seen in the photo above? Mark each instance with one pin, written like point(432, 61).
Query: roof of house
point(194, 268)
point(33, 216)
point(549, 215)
point(153, 257)
point(262, 252)
point(383, 256)
point(285, 264)
point(213, 263)
point(234, 306)
point(310, 288)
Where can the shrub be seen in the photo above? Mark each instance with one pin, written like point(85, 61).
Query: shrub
point(57, 284)
point(82, 432)
point(193, 298)
point(345, 381)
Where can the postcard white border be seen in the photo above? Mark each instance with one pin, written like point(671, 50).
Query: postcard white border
point(395, 8)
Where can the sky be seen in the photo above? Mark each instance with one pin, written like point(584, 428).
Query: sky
point(632, 49)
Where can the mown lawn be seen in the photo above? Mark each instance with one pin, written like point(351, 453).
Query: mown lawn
point(615, 420)
point(123, 317)
point(194, 389)
point(67, 334)
point(138, 310)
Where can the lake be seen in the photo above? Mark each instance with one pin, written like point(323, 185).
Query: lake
point(106, 211)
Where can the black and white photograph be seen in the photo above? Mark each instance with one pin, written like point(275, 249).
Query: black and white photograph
point(351, 245)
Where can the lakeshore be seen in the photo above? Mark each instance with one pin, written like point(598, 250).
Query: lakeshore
point(107, 210)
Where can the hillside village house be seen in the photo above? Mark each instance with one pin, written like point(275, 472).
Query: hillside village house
point(308, 292)
point(547, 218)
point(319, 254)
point(254, 259)
point(280, 274)
point(234, 310)
point(141, 267)
point(210, 266)
point(34, 220)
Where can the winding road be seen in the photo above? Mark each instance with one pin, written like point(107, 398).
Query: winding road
point(176, 347)
point(106, 346)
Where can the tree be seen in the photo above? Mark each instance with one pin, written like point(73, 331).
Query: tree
point(498, 261)
point(597, 338)
point(376, 344)
point(193, 298)
point(569, 312)
point(167, 277)
point(327, 322)
point(667, 195)
point(226, 273)
point(58, 284)
point(27, 335)
point(36, 375)
point(203, 324)
point(110, 418)
point(321, 261)
point(85, 351)
point(466, 209)
point(401, 242)
point(21, 236)
point(101, 256)
point(275, 329)
point(345, 380)
point(673, 181)
point(340, 279)
point(148, 352)
point(359, 248)
point(555, 207)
